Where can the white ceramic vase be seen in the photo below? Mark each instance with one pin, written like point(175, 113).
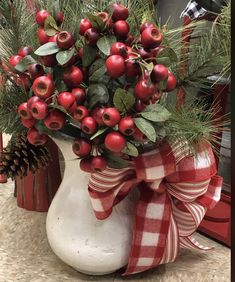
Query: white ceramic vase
point(89, 245)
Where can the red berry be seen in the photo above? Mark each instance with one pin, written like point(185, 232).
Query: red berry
point(41, 17)
point(115, 65)
point(66, 100)
point(145, 25)
point(49, 60)
point(157, 50)
point(80, 113)
point(111, 116)
point(79, 94)
point(91, 36)
point(32, 100)
point(139, 106)
point(171, 82)
point(73, 76)
point(139, 135)
point(98, 163)
point(132, 66)
point(105, 18)
point(126, 126)
point(15, 60)
point(144, 90)
point(28, 123)
point(35, 70)
point(23, 111)
point(53, 38)
point(39, 110)
point(97, 114)
point(43, 87)
point(80, 53)
point(159, 72)
point(115, 142)
point(81, 147)
point(89, 125)
point(85, 164)
point(55, 120)
point(119, 12)
point(35, 138)
point(42, 36)
point(145, 54)
point(85, 24)
point(59, 18)
point(151, 37)
point(118, 48)
point(121, 28)
point(129, 40)
point(65, 40)
point(22, 80)
point(24, 51)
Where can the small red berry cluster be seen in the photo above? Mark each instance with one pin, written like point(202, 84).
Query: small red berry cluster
point(104, 127)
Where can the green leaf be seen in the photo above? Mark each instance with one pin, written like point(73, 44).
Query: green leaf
point(98, 133)
point(123, 100)
point(23, 65)
point(98, 73)
point(89, 54)
point(47, 49)
point(96, 22)
point(162, 84)
point(167, 57)
point(63, 57)
point(115, 161)
point(58, 107)
point(50, 26)
point(97, 93)
point(130, 150)
point(104, 44)
point(156, 113)
point(149, 67)
point(147, 128)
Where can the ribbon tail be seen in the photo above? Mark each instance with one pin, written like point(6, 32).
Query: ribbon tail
point(191, 243)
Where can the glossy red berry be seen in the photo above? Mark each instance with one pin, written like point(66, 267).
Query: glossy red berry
point(105, 18)
point(43, 87)
point(120, 12)
point(145, 54)
point(91, 36)
point(121, 28)
point(24, 51)
point(65, 40)
point(81, 147)
point(49, 60)
point(85, 24)
point(80, 113)
point(32, 100)
point(35, 70)
point(119, 48)
point(139, 135)
point(53, 38)
point(171, 82)
point(127, 126)
point(39, 110)
point(139, 105)
point(28, 123)
point(15, 60)
point(43, 38)
point(145, 25)
point(129, 40)
point(151, 37)
point(111, 116)
point(97, 114)
point(22, 80)
point(79, 95)
point(66, 100)
point(85, 165)
point(132, 66)
point(55, 120)
point(23, 111)
point(98, 163)
point(89, 125)
point(73, 76)
point(159, 73)
point(144, 90)
point(115, 142)
point(35, 138)
point(41, 17)
point(115, 66)
point(59, 18)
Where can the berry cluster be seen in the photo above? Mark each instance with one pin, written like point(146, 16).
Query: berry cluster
point(131, 67)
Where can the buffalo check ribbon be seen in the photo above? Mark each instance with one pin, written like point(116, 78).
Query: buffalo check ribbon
point(174, 197)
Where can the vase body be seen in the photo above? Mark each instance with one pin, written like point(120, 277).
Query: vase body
point(89, 245)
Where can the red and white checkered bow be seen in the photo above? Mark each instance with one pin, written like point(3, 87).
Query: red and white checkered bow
point(174, 198)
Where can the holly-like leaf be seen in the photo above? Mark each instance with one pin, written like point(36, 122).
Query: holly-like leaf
point(97, 93)
point(149, 67)
point(130, 150)
point(23, 64)
point(89, 54)
point(63, 57)
point(162, 84)
point(96, 22)
point(47, 49)
point(97, 70)
point(156, 113)
point(147, 128)
point(123, 100)
point(167, 57)
point(50, 26)
point(104, 44)
point(98, 133)
point(115, 161)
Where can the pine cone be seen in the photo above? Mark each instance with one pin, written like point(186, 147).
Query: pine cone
point(20, 156)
